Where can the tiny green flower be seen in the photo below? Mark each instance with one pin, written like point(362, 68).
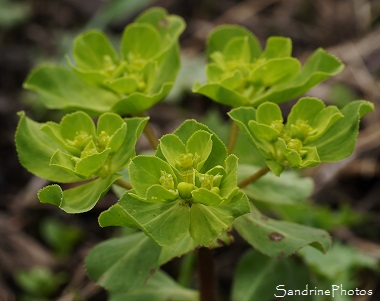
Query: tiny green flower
point(304, 140)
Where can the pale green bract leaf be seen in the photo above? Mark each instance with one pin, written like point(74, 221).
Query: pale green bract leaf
point(339, 141)
point(79, 199)
point(165, 223)
point(277, 47)
point(279, 238)
point(93, 51)
point(123, 264)
point(35, 150)
point(172, 148)
point(145, 171)
point(140, 40)
point(60, 88)
point(200, 144)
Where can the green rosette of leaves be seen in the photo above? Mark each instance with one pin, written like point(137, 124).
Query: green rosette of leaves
point(240, 73)
point(101, 79)
point(188, 187)
point(77, 151)
point(313, 133)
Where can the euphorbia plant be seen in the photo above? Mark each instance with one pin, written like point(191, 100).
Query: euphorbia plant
point(186, 196)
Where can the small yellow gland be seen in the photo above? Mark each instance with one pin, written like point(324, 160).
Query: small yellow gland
point(215, 190)
point(185, 161)
point(185, 189)
point(278, 125)
point(166, 180)
point(81, 137)
point(103, 139)
point(88, 152)
point(295, 144)
point(207, 181)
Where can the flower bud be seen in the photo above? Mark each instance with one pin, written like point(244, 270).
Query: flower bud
point(185, 189)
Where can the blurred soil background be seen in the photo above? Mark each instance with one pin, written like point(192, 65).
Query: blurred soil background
point(41, 31)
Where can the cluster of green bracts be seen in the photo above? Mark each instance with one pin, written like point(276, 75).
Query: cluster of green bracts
point(187, 192)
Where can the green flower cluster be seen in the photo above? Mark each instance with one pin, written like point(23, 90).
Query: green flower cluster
point(189, 186)
point(128, 81)
point(75, 150)
point(310, 135)
point(240, 73)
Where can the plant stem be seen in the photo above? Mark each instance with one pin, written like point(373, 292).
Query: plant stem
point(150, 135)
point(257, 175)
point(122, 183)
point(232, 137)
point(206, 275)
point(186, 269)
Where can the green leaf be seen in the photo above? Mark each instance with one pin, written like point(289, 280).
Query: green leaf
point(169, 26)
point(137, 103)
point(200, 144)
point(290, 188)
point(179, 248)
point(207, 222)
point(279, 238)
point(123, 264)
point(172, 148)
point(60, 88)
point(220, 37)
point(89, 165)
point(93, 51)
point(218, 153)
point(340, 260)
point(135, 127)
point(76, 122)
point(274, 71)
point(319, 66)
point(159, 287)
point(268, 112)
point(165, 223)
point(35, 149)
point(206, 197)
point(277, 47)
point(238, 49)
point(259, 277)
point(140, 40)
point(79, 199)
point(339, 141)
point(220, 94)
point(145, 171)
point(229, 180)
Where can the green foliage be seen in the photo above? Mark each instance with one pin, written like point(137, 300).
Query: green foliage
point(240, 73)
point(126, 82)
point(39, 283)
point(59, 236)
point(192, 191)
point(279, 238)
point(312, 134)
